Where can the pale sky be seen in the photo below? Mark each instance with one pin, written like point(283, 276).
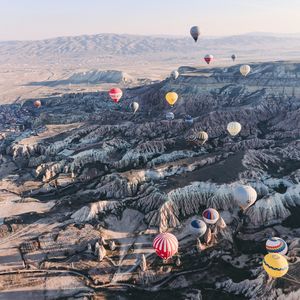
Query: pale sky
point(38, 19)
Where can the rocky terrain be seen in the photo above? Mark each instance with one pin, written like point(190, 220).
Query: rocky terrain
point(41, 68)
point(86, 185)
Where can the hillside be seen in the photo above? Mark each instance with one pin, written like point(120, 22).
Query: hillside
point(94, 172)
point(113, 46)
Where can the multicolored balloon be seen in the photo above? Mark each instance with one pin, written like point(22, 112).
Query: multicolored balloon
point(210, 216)
point(208, 58)
point(275, 265)
point(198, 227)
point(276, 245)
point(115, 94)
point(165, 245)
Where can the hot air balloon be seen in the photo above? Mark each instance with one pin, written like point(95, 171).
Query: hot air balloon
point(195, 32)
point(115, 94)
point(188, 119)
point(170, 116)
point(244, 195)
point(203, 137)
point(277, 245)
point(208, 58)
point(171, 98)
point(134, 106)
point(165, 245)
point(198, 227)
point(233, 57)
point(174, 74)
point(37, 103)
point(234, 128)
point(245, 70)
point(210, 216)
point(275, 265)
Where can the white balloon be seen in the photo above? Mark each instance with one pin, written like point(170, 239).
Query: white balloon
point(135, 106)
point(170, 116)
point(234, 128)
point(244, 195)
point(174, 74)
point(245, 70)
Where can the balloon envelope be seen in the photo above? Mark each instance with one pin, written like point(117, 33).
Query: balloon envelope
point(198, 227)
point(135, 106)
point(234, 128)
point(115, 94)
point(165, 245)
point(203, 137)
point(275, 265)
point(210, 216)
point(277, 245)
point(174, 74)
point(208, 58)
point(188, 119)
point(171, 98)
point(244, 195)
point(170, 116)
point(195, 32)
point(245, 70)
point(233, 57)
point(37, 103)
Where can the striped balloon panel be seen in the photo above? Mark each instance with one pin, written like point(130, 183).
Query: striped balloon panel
point(115, 96)
point(210, 214)
point(276, 245)
point(165, 245)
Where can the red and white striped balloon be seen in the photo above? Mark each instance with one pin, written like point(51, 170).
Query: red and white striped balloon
point(165, 245)
point(115, 94)
point(208, 58)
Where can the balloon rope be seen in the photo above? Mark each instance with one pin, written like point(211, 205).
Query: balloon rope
point(292, 280)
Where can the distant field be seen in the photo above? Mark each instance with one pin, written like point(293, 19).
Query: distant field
point(150, 57)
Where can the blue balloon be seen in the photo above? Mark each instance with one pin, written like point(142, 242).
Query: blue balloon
point(189, 119)
point(198, 227)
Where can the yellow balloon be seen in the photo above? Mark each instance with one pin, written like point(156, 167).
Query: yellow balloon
point(275, 265)
point(171, 98)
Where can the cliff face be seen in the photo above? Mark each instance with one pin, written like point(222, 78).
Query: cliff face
point(145, 163)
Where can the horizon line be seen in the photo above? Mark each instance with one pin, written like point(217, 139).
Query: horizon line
point(258, 33)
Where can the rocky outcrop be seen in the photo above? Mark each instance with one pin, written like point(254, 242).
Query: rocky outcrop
point(143, 163)
point(88, 213)
point(274, 208)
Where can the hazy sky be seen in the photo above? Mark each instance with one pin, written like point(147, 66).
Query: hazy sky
point(36, 19)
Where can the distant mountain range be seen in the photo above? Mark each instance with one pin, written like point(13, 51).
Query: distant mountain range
point(102, 46)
